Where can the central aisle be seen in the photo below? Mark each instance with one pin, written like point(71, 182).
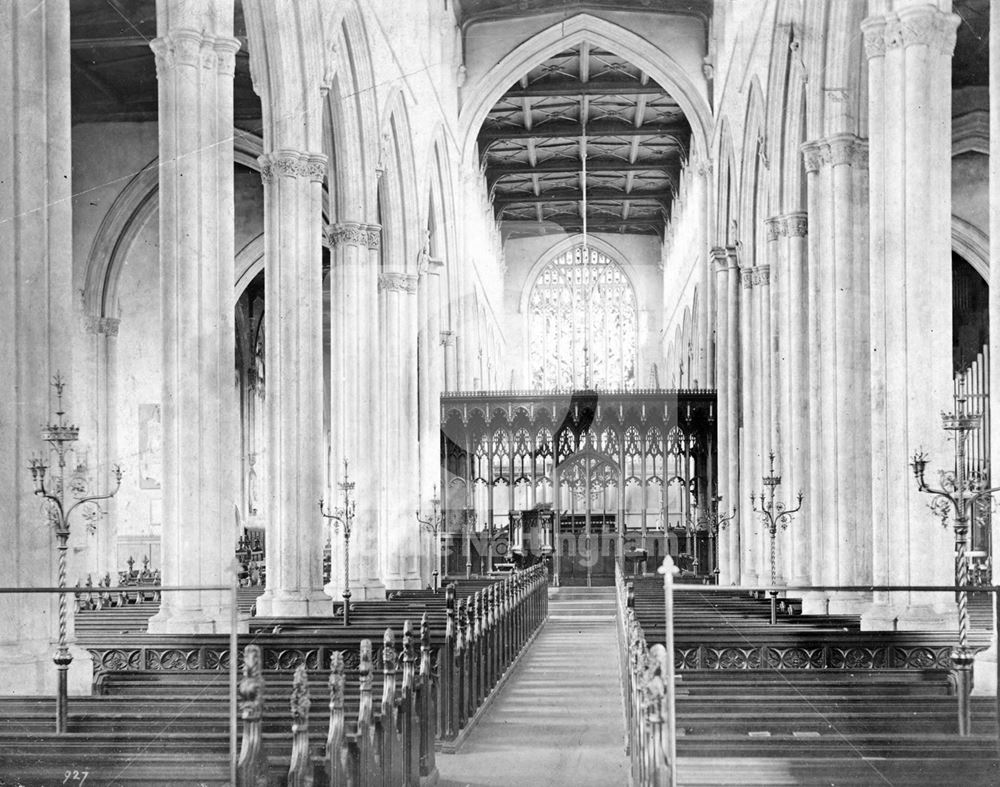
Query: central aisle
point(559, 720)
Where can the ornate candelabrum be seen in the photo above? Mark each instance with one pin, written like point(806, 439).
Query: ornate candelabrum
point(959, 492)
point(708, 520)
point(434, 524)
point(773, 515)
point(65, 496)
point(344, 516)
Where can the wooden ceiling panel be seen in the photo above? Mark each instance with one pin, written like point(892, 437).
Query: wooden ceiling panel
point(584, 105)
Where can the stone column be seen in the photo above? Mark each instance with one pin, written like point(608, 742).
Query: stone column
point(816, 505)
point(749, 524)
point(705, 368)
point(728, 539)
point(911, 372)
point(985, 669)
point(432, 372)
point(195, 63)
point(733, 321)
point(35, 327)
point(293, 282)
point(103, 336)
point(767, 440)
point(400, 540)
point(354, 401)
point(781, 384)
point(796, 419)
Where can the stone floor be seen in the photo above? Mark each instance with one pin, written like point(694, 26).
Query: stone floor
point(559, 720)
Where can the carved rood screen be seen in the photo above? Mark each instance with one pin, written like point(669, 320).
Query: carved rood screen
point(577, 479)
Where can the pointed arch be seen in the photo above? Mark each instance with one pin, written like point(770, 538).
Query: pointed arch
point(401, 232)
point(352, 122)
point(753, 194)
point(569, 33)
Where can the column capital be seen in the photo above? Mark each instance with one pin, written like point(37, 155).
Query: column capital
point(847, 149)
point(772, 228)
point(873, 29)
point(761, 275)
point(397, 282)
point(746, 276)
point(225, 54)
point(192, 48)
point(720, 257)
point(346, 233)
point(795, 225)
point(292, 164)
point(814, 155)
point(922, 25)
point(374, 232)
point(178, 47)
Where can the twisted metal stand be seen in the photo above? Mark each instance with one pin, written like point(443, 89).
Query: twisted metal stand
point(60, 436)
point(959, 493)
point(434, 524)
point(344, 516)
point(773, 515)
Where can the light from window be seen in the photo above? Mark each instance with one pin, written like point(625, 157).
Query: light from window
point(582, 324)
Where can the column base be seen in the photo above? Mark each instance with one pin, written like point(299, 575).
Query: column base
point(749, 578)
point(193, 621)
point(913, 617)
point(404, 583)
point(291, 604)
point(984, 672)
point(848, 603)
point(28, 670)
point(815, 602)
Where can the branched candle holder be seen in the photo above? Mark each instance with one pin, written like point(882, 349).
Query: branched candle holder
point(60, 502)
point(344, 516)
point(434, 524)
point(958, 493)
point(708, 520)
point(773, 515)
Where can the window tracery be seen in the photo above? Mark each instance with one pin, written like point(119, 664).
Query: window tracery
point(583, 323)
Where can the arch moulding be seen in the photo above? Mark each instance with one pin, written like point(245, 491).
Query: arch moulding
point(572, 32)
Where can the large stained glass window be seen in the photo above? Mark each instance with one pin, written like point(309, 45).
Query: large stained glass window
point(582, 323)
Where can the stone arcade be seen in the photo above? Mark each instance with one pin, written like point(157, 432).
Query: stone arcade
point(558, 281)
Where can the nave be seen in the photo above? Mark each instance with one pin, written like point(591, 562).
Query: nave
point(507, 680)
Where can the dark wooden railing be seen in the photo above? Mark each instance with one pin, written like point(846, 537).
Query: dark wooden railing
point(645, 676)
point(392, 740)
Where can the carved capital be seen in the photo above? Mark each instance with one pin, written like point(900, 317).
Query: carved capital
point(347, 233)
point(374, 236)
point(181, 47)
point(397, 282)
point(746, 276)
point(292, 164)
point(795, 225)
point(761, 275)
point(772, 228)
point(225, 53)
point(814, 155)
point(847, 149)
point(873, 30)
point(926, 26)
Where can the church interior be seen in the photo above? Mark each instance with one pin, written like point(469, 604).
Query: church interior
point(499, 392)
